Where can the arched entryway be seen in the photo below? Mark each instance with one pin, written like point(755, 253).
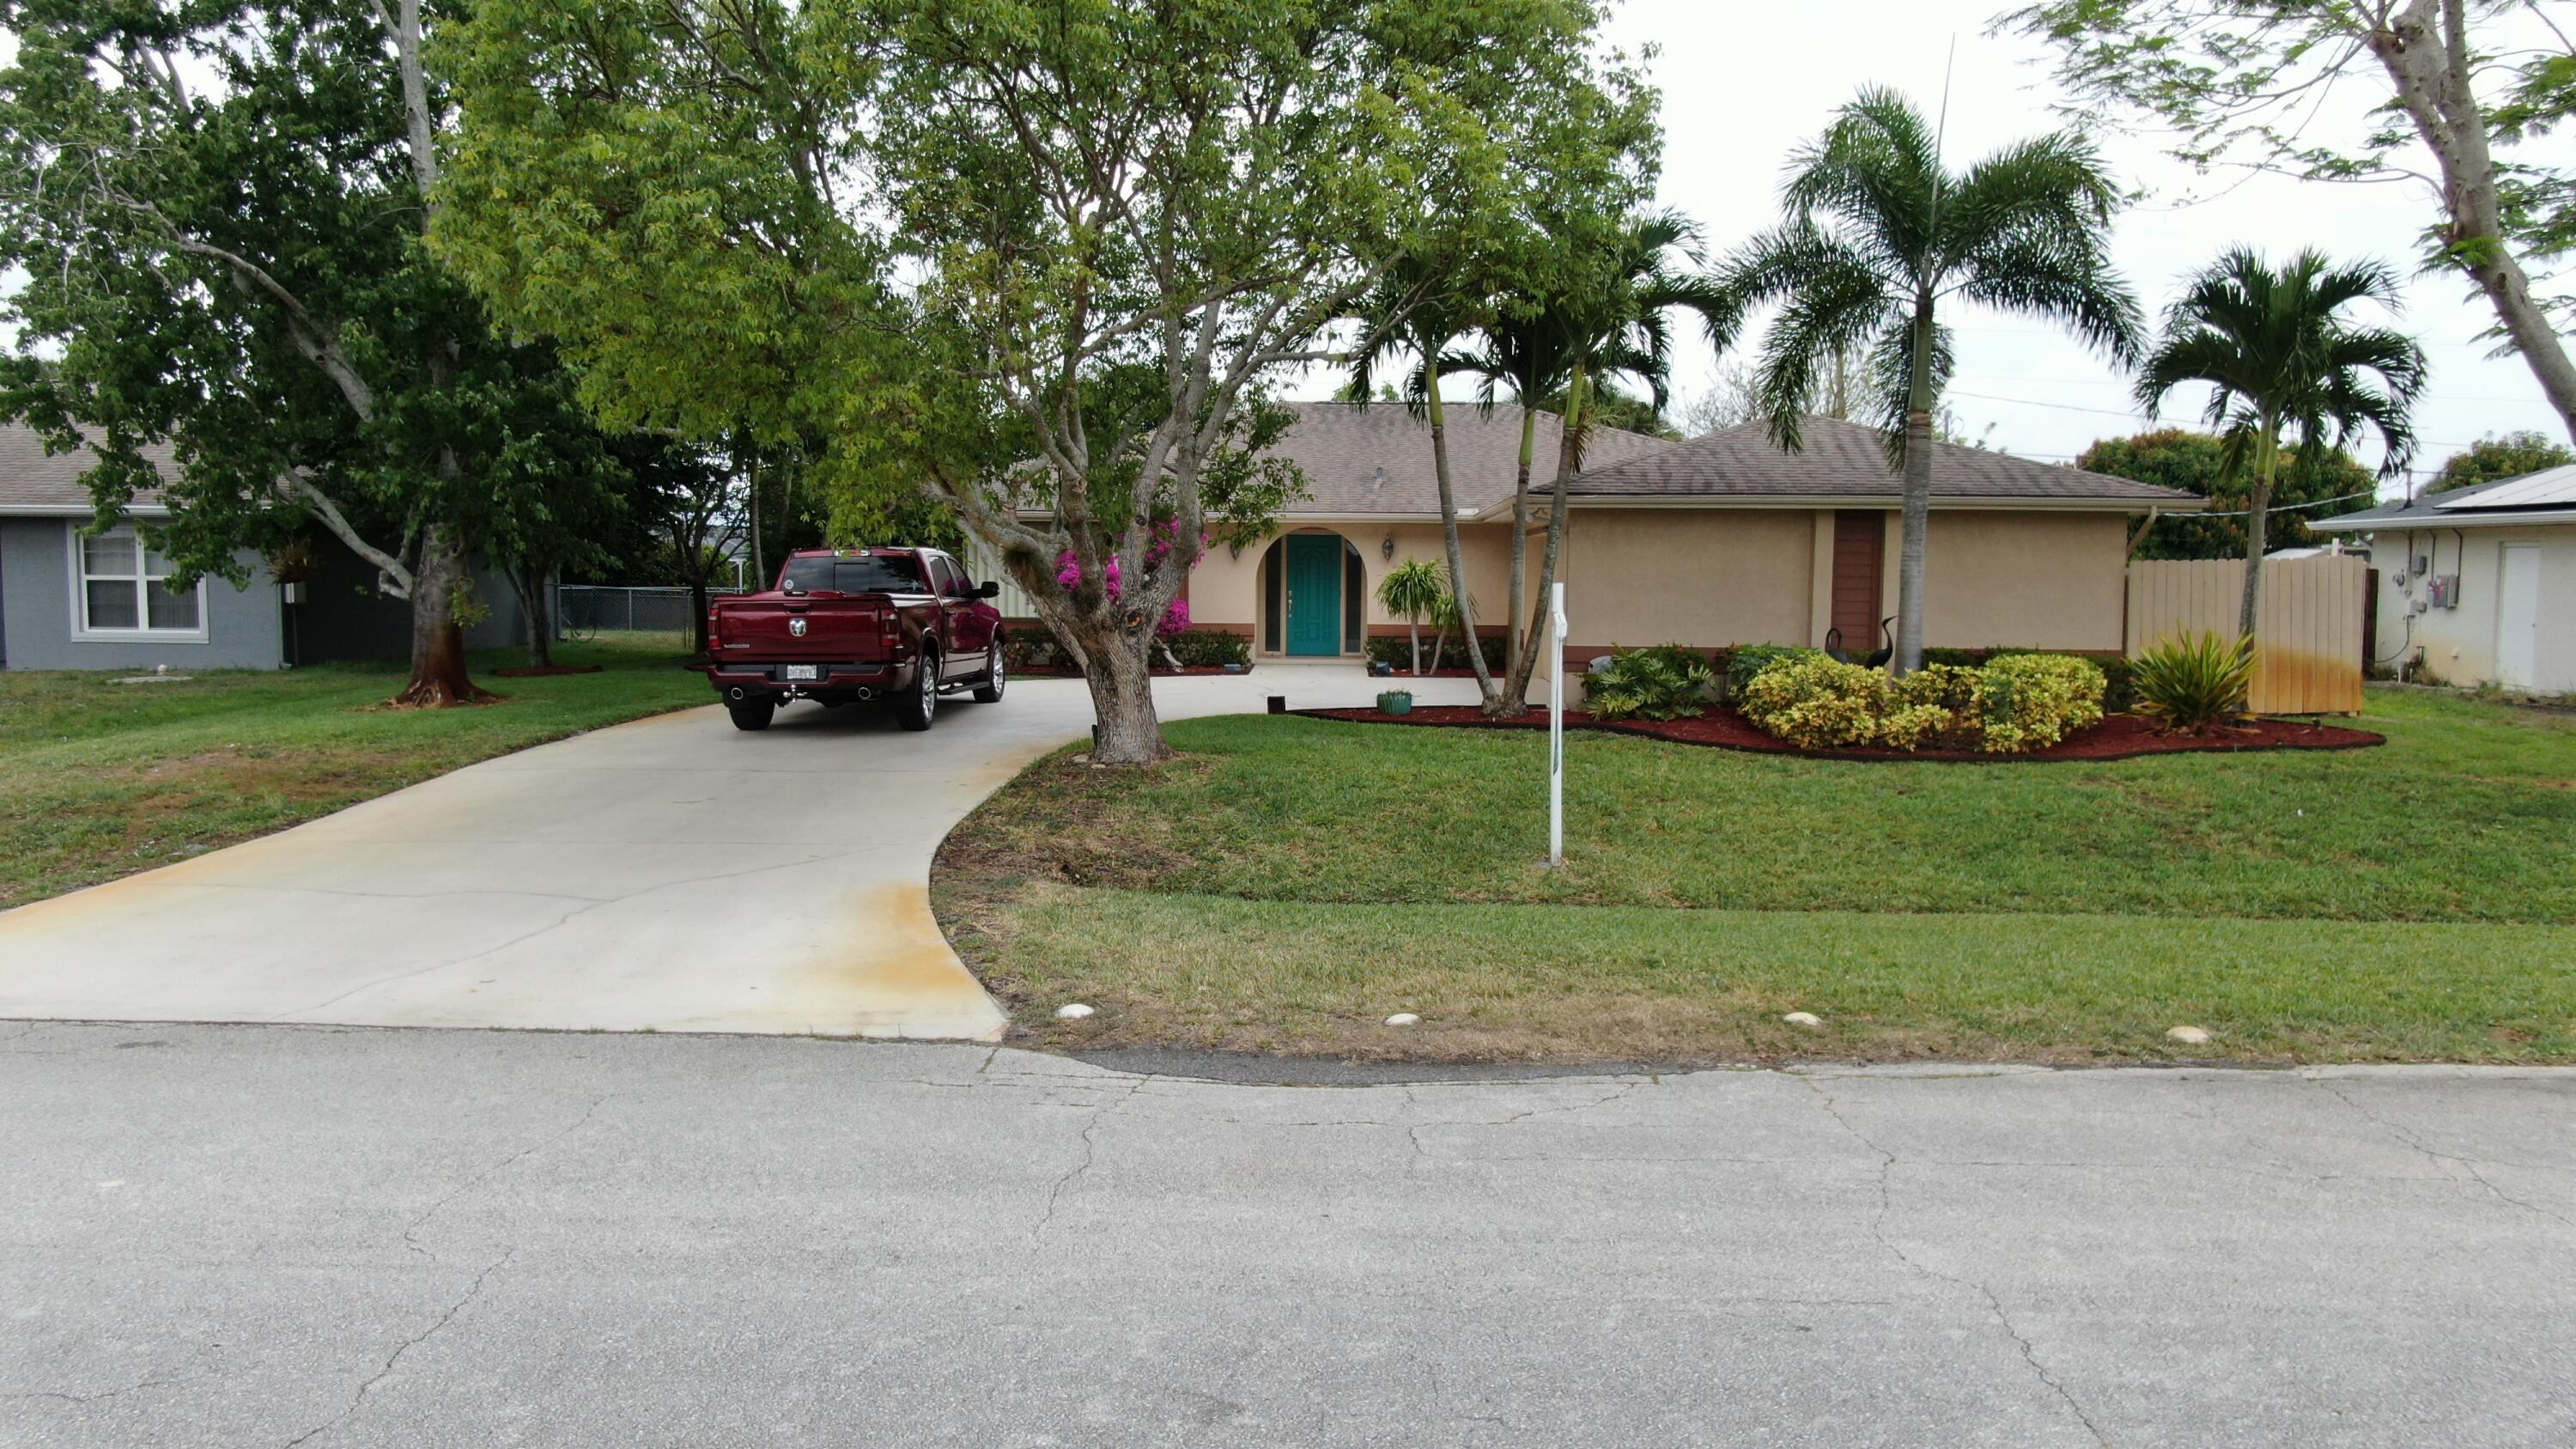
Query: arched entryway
point(1314, 595)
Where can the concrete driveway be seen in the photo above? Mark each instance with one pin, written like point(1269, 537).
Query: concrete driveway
point(274, 1235)
point(674, 874)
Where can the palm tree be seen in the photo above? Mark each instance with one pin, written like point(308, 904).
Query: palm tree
point(2277, 353)
point(1605, 314)
point(1419, 308)
point(1411, 591)
point(1877, 236)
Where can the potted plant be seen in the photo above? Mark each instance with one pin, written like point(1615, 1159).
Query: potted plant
point(1395, 701)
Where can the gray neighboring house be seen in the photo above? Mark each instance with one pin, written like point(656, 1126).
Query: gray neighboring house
point(73, 599)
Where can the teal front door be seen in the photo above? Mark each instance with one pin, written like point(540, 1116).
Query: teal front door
point(1314, 593)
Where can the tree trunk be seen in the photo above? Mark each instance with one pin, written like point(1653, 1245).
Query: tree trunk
point(1449, 522)
point(1413, 631)
point(1918, 498)
point(2256, 509)
point(1569, 461)
point(437, 641)
point(1520, 535)
point(536, 611)
point(1439, 646)
point(698, 615)
point(2426, 53)
point(1118, 668)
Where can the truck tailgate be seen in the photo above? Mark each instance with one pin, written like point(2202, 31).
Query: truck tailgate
point(845, 629)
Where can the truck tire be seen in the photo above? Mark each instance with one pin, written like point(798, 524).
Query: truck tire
point(752, 714)
point(991, 692)
point(916, 707)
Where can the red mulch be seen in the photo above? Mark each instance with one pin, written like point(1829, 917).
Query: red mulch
point(2118, 737)
point(1160, 672)
point(549, 669)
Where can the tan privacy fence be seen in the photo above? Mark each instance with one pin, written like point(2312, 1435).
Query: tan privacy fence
point(2308, 638)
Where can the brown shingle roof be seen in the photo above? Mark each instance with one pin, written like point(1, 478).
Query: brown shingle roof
point(34, 481)
point(1849, 460)
point(1377, 458)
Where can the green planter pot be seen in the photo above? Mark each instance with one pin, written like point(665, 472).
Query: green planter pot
point(1395, 701)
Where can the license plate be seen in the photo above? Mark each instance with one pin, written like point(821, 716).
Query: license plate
point(803, 671)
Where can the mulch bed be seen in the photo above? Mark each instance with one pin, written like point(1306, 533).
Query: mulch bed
point(2118, 737)
point(1160, 672)
point(549, 669)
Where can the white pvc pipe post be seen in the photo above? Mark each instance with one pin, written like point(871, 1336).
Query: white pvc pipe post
point(1556, 731)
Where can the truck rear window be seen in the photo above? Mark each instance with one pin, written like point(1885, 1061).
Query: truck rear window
point(899, 574)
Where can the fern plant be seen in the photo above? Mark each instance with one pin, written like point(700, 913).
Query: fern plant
point(2195, 682)
point(1663, 683)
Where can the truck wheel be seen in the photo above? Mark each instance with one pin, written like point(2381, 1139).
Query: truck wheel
point(915, 707)
point(991, 693)
point(752, 714)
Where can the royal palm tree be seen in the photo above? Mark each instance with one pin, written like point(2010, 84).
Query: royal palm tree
point(1605, 313)
point(1877, 237)
point(2278, 353)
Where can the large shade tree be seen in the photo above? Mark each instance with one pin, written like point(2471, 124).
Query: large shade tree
point(2465, 101)
point(2281, 357)
point(2491, 459)
point(219, 210)
point(927, 230)
point(2308, 486)
point(1879, 238)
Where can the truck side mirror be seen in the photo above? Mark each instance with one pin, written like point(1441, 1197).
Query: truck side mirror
point(989, 589)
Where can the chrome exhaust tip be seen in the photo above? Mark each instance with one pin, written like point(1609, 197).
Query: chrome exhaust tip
point(866, 693)
point(736, 694)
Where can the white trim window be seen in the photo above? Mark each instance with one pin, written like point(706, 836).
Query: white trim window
point(121, 590)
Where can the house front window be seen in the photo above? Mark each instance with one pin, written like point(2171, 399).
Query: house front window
point(121, 590)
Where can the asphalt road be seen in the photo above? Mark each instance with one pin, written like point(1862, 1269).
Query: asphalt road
point(326, 1236)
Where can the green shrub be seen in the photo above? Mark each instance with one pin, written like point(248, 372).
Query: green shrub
point(1028, 651)
point(1818, 703)
point(2032, 701)
point(1398, 652)
point(1747, 660)
point(2195, 682)
point(2015, 703)
point(1667, 682)
point(1210, 648)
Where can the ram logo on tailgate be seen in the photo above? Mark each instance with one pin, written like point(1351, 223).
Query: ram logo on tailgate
point(796, 627)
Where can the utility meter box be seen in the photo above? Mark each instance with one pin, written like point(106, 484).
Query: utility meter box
point(2446, 591)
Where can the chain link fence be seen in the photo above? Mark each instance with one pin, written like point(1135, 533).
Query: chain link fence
point(586, 611)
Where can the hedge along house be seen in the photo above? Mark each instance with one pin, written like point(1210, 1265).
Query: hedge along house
point(74, 598)
point(2478, 585)
point(1718, 541)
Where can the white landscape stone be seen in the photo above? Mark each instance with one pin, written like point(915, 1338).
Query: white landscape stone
point(1072, 1011)
point(1402, 1018)
point(1803, 1018)
point(2188, 1035)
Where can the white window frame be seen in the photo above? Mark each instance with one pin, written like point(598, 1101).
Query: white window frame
point(143, 633)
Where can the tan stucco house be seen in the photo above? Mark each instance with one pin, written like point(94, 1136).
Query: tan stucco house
point(1716, 541)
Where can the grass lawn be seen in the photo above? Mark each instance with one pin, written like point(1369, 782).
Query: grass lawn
point(99, 780)
point(1290, 882)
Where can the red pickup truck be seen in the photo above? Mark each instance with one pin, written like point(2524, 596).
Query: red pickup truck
point(850, 624)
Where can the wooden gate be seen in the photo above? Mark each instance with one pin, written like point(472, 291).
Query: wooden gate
point(2308, 638)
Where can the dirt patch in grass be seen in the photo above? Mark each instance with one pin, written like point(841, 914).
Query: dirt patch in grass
point(2118, 737)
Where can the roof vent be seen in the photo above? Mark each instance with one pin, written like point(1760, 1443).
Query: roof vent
point(1379, 481)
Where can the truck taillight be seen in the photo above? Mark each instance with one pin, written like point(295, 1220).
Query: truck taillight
point(715, 629)
point(889, 628)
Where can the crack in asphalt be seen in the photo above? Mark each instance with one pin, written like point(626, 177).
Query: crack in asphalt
point(1994, 1304)
point(2407, 1138)
point(478, 1179)
point(1037, 1231)
point(359, 1399)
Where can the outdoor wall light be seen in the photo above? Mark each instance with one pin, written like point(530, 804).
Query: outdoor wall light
point(1388, 548)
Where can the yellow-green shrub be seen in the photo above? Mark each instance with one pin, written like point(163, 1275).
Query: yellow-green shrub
point(2031, 701)
point(1818, 703)
point(2015, 703)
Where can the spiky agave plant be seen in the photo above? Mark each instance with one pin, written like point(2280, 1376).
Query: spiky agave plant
point(2195, 682)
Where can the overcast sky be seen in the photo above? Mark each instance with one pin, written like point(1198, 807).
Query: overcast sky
point(1743, 84)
